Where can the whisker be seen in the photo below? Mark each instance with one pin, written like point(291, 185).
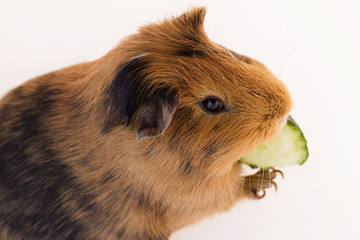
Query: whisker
point(287, 57)
point(220, 15)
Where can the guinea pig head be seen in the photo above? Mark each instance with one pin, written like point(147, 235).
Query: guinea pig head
point(177, 89)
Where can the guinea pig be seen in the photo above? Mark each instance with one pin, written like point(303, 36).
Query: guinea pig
point(139, 143)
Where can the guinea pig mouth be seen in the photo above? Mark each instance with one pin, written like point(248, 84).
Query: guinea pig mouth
point(283, 122)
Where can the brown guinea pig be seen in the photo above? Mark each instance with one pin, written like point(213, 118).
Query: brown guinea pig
point(138, 143)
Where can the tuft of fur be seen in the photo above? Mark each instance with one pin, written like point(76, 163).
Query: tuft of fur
point(119, 148)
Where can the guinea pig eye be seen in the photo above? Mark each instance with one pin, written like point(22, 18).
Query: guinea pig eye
point(212, 105)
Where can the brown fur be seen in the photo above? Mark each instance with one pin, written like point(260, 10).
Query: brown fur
point(71, 164)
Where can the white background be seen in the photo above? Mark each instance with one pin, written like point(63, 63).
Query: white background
point(313, 46)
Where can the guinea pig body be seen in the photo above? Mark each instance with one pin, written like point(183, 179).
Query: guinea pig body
point(138, 143)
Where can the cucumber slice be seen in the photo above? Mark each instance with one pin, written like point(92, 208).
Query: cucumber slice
point(288, 148)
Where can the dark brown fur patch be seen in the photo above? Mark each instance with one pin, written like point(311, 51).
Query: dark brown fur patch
point(123, 97)
point(186, 167)
point(211, 149)
point(121, 232)
point(190, 51)
point(109, 176)
point(40, 182)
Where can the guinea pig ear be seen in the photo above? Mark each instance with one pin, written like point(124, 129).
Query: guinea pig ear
point(193, 19)
point(156, 115)
point(131, 101)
